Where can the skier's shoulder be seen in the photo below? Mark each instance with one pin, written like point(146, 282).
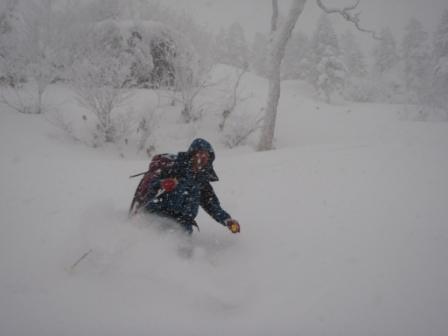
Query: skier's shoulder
point(165, 156)
point(182, 158)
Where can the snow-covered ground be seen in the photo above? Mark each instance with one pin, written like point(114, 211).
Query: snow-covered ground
point(344, 231)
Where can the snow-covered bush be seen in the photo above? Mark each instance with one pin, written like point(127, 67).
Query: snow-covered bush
point(363, 90)
point(239, 127)
point(95, 80)
point(378, 89)
point(145, 131)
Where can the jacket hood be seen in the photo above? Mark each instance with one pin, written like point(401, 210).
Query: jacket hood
point(201, 144)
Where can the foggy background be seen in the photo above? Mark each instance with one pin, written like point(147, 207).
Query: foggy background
point(254, 15)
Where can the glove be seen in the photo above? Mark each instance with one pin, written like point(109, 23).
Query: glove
point(168, 184)
point(233, 225)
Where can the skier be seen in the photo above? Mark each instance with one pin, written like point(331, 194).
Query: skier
point(177, 190)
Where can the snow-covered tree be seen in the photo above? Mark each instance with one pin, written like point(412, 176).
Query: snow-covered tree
point(99, 79)
point(329, 71)
point(36, 54)
point(102, 10)
point(150, 33)
point(220, 47)
point(441, 37)
point(440, 72)
point(295, 65)
point(416, 59)
point(278, 40)
point(192, 77)
point(387, 70)
point(385, 53)
point(231, 46)
point(8, 43)
point(353, 56)
point(357, 86)
point(192, 33)
point(180, 50)
point(7, 18)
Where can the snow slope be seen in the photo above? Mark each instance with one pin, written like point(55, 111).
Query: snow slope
point(344, 232)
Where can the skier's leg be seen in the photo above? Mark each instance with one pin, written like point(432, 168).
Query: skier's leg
point(186, 224)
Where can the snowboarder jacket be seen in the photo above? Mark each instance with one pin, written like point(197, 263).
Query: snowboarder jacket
point(192, 190)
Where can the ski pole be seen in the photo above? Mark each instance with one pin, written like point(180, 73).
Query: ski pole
point(132, 176)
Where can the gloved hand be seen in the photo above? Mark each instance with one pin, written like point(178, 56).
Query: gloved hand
point(233, 225)
point(168, 184)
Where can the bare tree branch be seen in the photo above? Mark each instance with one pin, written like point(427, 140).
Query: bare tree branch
point(350, 17)
point(234, 99)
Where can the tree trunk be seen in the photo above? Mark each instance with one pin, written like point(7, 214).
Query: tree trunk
point(274, 18)
point(40, 93)
point(279, 39)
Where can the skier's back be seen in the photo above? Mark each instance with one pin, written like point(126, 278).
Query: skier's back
point(183, 185)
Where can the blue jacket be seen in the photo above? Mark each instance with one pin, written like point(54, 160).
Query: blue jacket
point(193, 189)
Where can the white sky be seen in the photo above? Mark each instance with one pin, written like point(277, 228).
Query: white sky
point(254, 15)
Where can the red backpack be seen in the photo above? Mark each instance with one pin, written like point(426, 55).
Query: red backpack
point(158, 164)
